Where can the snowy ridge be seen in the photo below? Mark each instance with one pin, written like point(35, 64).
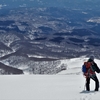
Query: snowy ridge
point(7, 39)
point(67, 85)
point(74, 65)
point(35, 67)
point(63, 66)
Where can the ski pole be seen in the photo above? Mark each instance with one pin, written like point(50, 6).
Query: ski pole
point(85, 85)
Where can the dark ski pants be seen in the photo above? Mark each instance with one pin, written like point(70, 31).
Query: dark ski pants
point(88, 83)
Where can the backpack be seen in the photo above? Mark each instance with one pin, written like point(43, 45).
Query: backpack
point(88, 69)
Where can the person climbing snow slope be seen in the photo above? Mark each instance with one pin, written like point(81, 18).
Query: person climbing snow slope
point(89, 69)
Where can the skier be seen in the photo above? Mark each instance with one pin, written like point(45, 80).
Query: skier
point(92, 75)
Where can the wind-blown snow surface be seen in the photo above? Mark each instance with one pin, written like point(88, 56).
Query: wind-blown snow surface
point(67, 85)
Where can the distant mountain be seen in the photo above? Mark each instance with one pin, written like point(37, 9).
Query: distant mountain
point(35, 40)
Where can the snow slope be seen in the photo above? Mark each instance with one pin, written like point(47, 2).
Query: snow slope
point(67, 85)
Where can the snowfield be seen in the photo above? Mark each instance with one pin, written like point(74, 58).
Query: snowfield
point(67, 85)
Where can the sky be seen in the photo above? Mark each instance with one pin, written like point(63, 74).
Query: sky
point(51, 3)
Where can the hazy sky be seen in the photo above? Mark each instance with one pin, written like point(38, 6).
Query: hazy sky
point(52, 3)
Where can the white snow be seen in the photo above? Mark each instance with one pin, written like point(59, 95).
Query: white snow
point(35, 56)
point(67, 85)
point(94, 20)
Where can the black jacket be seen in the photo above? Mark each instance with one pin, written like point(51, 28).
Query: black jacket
point(95, 66)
